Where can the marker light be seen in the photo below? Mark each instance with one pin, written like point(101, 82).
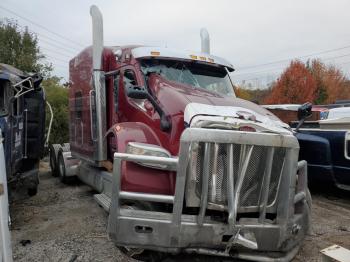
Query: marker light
point(247, 129)
point(155, 53)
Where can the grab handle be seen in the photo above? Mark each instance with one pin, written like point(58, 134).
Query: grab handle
point(92, 110)
point(346, 145)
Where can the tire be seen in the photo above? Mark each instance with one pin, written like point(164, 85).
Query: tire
point(61, 167)
point(54, 148)
point(32, 191)
point(66, 147)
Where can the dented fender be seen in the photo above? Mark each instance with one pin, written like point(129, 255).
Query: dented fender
point(137, 178)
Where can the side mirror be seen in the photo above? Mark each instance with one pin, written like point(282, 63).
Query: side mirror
point(137, 92)
point(140, 92)
point(304, 111)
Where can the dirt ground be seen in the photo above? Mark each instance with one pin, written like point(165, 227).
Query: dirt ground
point(64, 223)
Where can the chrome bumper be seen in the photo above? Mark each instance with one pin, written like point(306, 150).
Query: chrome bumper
point(252, 237)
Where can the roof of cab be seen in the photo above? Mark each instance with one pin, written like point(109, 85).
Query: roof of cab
point(9, 72)
point(151, 51)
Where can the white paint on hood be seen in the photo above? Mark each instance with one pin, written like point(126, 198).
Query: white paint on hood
point(196, 113)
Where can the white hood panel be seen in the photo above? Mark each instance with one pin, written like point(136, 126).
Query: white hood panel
point(196, 113)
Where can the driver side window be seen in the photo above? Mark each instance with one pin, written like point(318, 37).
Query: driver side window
point(129, 79)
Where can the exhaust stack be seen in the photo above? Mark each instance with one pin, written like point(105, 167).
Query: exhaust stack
point(97, 36)
point(205, 41)
point(98, 123)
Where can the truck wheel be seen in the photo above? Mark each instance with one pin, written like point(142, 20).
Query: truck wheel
point(62, 168)
point(32, 191)
point(54, 148)
point(66, 147)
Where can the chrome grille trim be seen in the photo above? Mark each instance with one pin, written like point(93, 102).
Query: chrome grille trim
point(245, 170)
point(205, 185)
point(245, 156)
point(265, 194)
point(230, 187)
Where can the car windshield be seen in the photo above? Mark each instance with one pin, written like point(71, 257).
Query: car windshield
point(198, 75)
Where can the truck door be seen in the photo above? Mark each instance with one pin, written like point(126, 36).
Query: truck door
point(119, 108)
point(16, 133)
point(112, 113)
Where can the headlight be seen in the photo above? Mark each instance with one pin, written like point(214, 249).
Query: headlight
point(136, 148)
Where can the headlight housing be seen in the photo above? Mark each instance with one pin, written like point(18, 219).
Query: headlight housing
point(136, 148)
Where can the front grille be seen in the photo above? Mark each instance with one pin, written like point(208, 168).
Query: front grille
point(253, 185)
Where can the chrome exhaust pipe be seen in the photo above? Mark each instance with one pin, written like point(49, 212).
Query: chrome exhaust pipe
point(98, 128)
point(205, 41)
point(97, 37)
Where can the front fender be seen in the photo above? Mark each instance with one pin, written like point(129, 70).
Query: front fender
point(126, 132)
point(137, 178)
point(314, 149)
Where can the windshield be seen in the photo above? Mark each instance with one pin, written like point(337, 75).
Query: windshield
point(198, 75)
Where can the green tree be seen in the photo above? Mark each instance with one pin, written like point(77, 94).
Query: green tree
point(20, 49)
point(57, 96)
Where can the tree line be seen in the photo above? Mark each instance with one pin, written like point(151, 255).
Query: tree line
point(312, 81)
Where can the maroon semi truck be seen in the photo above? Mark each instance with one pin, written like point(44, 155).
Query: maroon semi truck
point(180, 163)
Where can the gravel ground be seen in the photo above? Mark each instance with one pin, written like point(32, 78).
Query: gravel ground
point(64, 223)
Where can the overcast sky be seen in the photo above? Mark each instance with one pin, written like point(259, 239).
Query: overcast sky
point(247, 33)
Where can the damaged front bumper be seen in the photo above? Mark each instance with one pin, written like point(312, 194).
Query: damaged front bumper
point(266, 224)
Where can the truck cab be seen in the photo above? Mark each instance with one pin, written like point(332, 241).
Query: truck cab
point(22, 121)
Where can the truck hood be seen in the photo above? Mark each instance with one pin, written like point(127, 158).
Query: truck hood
point(196, 104)
point(231, 117)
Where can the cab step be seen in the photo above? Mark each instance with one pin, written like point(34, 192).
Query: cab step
point(103, 200)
